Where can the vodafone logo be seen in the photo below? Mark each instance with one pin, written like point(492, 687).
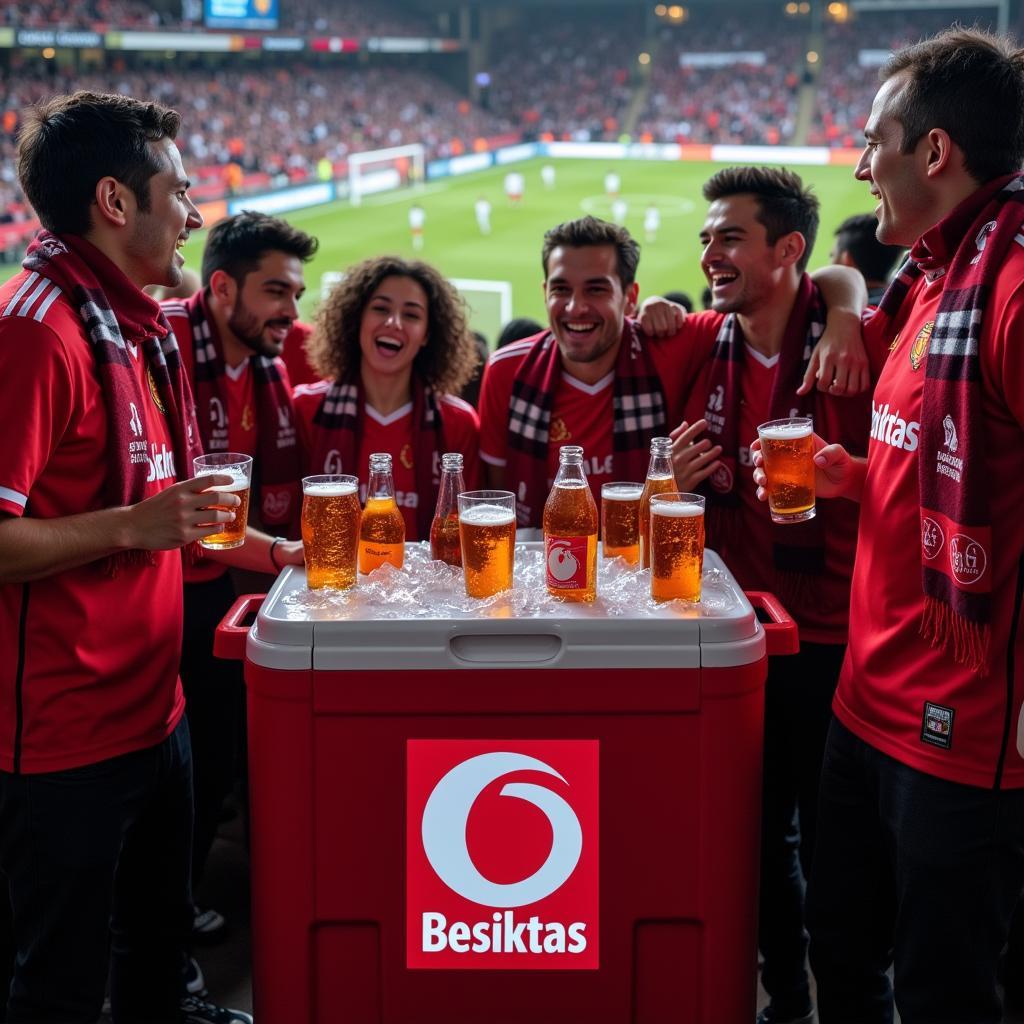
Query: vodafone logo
point(449, 806)
point(502, 854)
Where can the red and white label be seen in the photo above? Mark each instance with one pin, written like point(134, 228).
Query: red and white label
point(566, 562)
point(502, 854)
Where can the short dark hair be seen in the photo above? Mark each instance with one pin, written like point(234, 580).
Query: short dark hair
point(970, 83)
point(680, 299)
point(237, 244)
point(516, 329)
point(68, 143)
point(576, 234)
point(874, 259)
point(784, 203)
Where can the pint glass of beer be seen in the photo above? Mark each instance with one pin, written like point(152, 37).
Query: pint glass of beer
point(330, 530)
point(677, 546)
point(239, 468)
point(788, 450)
point(620, 521)
point(487, 529)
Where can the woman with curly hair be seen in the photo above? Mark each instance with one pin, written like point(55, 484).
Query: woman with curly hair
point(394, 347)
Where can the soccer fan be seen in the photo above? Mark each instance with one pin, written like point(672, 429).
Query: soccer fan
point(857, 246)
point(95, 765)
point(516, 329)
point(394, 346)
point(417, 219)
point(482, 209)
point(757, 237)
point(920, 852)
point(593, 378)
point(515, 183)
point(231, 333)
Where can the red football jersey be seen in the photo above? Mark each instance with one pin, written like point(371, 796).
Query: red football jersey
point(88, 661)
point(911, 700)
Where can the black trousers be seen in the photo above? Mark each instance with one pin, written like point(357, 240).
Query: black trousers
point(98, 861)
point(915, 871)
point(798, 710)
point(215, 705)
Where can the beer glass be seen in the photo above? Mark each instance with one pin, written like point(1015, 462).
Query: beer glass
point(677, 546)
point(239, 468)
point(487, 530)
point(330, 530)
point(788, 449)
point(620, 521)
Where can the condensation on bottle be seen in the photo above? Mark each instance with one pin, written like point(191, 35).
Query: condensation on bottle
point(382, 530)
point(445, 545)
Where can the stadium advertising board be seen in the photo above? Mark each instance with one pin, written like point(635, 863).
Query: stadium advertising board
point(241, 13)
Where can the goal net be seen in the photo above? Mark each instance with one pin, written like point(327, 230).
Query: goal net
point(490, 305)
point(381, 170)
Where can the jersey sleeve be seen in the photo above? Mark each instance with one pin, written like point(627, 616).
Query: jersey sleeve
point(1008, 355)
point(682, 358)
point(495, 391)
point(37, 392)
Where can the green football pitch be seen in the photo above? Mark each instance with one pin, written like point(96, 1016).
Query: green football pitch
point(511, 253)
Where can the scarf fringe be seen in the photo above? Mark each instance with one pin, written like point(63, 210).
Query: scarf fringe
point(971, 641)
point(134, 559)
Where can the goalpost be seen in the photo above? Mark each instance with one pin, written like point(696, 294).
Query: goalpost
point(489, 302)
point(380, 170)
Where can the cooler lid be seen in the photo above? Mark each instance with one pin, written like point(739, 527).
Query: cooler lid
point(420, 619)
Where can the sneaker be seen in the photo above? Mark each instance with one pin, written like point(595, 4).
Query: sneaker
point(768, 1016)
point(199, 1011)
point(207, 925)
point(195, 983)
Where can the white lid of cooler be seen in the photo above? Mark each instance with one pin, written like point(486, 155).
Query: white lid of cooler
point(385, 623)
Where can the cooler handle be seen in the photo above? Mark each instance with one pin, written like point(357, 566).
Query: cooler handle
point(782, 633)
point(229, 639)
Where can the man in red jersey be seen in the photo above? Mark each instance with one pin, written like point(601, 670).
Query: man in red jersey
point(593, 378)
point(231, 333)
point(757, 237)
point(95, 769)
point(920, 850)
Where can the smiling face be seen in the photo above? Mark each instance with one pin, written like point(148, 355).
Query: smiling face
point(264, 308)
point(393, 327)
point(587, 303)
point(156, 235)
point(740, 265)
point(906, 204)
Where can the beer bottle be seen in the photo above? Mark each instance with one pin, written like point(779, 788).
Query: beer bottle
point(444, 530)
point(570, 531)
point(661, 479)
point(382, 531)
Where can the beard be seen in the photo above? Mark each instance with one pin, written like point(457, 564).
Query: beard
point(249, 330)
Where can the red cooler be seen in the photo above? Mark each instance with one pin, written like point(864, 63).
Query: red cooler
point(492, 819)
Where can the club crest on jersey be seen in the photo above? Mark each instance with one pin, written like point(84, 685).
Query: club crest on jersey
point(559, 431)
point(722, 479)
point(920, 346)
point(154, 391)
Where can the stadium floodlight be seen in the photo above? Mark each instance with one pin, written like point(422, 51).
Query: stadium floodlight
point(380, 170)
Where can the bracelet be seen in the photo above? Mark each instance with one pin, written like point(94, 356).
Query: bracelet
point(273, 560)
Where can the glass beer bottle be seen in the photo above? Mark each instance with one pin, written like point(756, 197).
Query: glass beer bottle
point(444, 530)
point(661, 479)
point(570, 531)
point(382, 530)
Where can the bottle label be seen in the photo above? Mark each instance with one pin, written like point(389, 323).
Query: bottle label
point(566, 562)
